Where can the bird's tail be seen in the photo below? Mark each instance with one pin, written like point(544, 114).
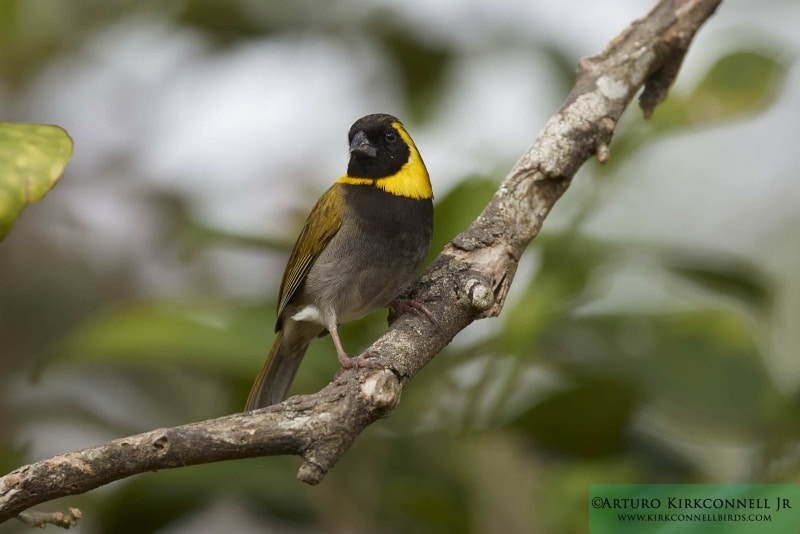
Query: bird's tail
point(276, 376)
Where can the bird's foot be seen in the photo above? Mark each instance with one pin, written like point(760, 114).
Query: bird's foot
point(400, 306)
point(361, 361)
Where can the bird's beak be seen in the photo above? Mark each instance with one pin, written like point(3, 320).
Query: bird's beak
point(361, 147)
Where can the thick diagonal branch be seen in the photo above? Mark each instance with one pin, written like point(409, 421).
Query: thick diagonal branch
point(468, 280)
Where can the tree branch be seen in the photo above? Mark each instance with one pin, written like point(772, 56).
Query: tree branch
point(469, 280)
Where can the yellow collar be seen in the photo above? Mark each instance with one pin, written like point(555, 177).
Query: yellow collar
point(410, 181)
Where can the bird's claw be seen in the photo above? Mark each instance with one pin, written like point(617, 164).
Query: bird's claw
point(400, 306)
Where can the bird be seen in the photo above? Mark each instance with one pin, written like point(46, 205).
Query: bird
point(361, 245)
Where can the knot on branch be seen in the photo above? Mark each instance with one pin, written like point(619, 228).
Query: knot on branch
point(310, 473)
point(161, 443)
point(382, 390)
point(605, 129)
point(479, 293)
point(66, 519)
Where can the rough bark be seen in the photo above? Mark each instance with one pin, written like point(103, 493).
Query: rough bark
point(468, 281)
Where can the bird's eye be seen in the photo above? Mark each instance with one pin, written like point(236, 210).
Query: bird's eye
point(390, 135)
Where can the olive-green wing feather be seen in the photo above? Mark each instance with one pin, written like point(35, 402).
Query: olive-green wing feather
point(322, 224)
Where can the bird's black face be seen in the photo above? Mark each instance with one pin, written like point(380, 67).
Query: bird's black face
point(377, 149)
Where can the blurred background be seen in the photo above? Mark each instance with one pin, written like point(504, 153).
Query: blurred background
point(651, 334)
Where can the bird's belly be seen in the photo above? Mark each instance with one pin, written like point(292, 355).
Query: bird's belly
point(353, 281)
point(352, 291)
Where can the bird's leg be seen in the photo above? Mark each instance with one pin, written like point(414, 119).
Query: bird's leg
point(345, 361)
point(400, 306)
point(341, 355)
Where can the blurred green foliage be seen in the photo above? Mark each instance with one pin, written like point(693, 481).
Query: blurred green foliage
point(510, 424)
point(741, 83)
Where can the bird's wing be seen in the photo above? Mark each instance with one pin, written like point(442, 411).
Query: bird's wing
point(322, 224)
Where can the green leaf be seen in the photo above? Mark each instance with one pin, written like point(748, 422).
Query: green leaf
point(226, 338)
point(700, 370)
point(32, 159)
point(740, 83)
point(724, 275)
point(705, 370)
point(588, 420)
point(230, 339)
